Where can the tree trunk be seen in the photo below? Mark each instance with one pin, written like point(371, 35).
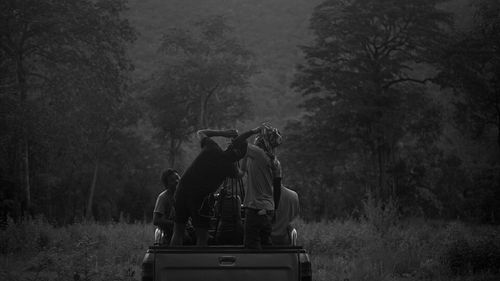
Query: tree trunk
point(204, 106)
point(202, 124)
point(27, 176)
point(173, 151)
point(24, 157)
point(379, 193)
point(498, 127)
point(205, 109)
point(88, 214)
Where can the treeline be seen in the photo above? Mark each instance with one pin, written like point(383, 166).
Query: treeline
point(402, 109)
point(81, 138)
point(399, 107)
point(66, 111)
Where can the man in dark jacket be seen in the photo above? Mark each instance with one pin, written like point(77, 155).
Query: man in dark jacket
point(203, 177)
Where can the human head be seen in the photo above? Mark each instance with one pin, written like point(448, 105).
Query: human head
point(268, 139)
point(169, 177)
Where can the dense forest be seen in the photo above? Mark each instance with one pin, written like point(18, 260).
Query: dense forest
point(384, 104)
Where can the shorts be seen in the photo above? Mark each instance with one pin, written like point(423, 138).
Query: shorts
point(188, 205)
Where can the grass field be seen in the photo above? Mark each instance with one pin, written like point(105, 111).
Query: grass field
point(340, 250)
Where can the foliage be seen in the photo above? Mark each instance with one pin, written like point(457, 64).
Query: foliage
point(369, 123)
point(66, 110)
point(373, 123)
point(470, 68)
point(380, 215)
point(410, 250)
point(471, 64)
point(200, 83)
point(356, 82)
point(86, 251)
point(339, 250)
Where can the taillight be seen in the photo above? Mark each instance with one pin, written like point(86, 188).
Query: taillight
point(148, 267)
point(305, 267)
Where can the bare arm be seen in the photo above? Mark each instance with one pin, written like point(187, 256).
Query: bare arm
point(277, 183)
point(276, 192)
point(246, 135)
point(230, 133)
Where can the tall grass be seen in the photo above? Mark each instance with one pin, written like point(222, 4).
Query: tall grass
point(380, 246)
point(340, 250)
point(36, 250)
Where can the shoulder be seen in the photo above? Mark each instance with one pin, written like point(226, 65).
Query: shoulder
point(208, 142)
point(252, 147)
point(290, 193)
point(254, 150)
point(162, 195)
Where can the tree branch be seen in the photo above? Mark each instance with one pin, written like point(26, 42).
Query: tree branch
point(402, 80)
point(37, 75)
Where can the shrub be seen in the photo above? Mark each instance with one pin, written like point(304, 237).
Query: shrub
point(35, 250)
point(339, 250)
point(379, 214)
point(467, 257)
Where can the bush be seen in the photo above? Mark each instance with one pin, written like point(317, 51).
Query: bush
point(36, 250)
point(379, 214)
point(339, 250)
point(476, 256)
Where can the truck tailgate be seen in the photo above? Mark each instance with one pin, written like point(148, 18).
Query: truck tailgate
point(226, 264)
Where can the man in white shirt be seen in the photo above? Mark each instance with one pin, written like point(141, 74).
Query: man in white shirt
point(286, 213)
point(263, 188)
point(163, 214)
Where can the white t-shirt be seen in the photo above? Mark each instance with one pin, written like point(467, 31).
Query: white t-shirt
point(288, 210)
point(261, 171)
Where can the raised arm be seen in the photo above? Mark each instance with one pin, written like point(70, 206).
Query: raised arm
point(231, 133)
point(244, 136)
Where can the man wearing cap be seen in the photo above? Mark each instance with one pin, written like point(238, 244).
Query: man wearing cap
point(263, 187)
point(203, 177)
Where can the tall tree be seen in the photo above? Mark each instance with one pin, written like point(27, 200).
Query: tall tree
point(364, 95)
point(68, 59)
point(201, 81)
point(472, 69)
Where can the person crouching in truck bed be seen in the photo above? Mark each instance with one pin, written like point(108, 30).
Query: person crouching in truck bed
point(228, 211)
point(286, 213)
point(205, 174)
point(164, 211)
point(163, 214)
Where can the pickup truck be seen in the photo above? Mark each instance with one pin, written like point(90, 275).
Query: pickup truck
point(220, 263)
point(223, 262)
